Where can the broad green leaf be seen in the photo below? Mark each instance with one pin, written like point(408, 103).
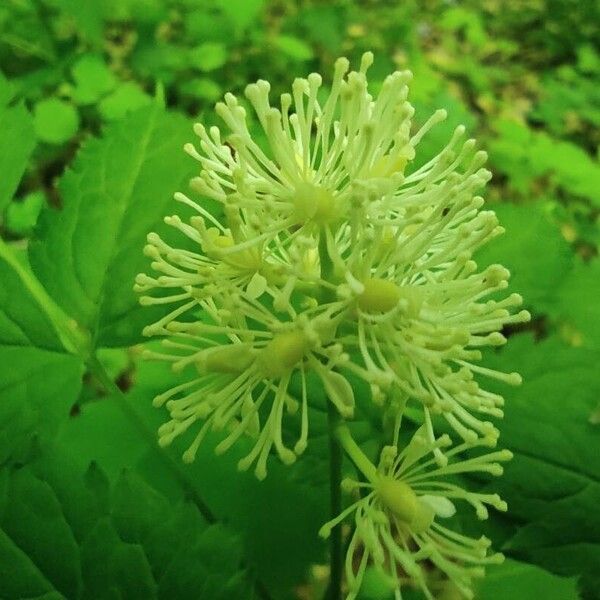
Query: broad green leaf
point(533, 250)
point(39, 382)
point(119, 189)
point(55, 121)
point(578, 301)
point(32, 518)
point(16, 144)
point(57, 540)
point(278, 519)
point(552, 485)
point(514, 580)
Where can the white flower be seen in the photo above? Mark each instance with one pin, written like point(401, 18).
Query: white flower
point(243, 372)
point(398, 519)
point(326, 230)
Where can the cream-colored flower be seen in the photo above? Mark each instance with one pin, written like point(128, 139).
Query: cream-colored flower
point(399, 516)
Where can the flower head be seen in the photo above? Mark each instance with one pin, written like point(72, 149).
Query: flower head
point(329, 253)
point(399, 516)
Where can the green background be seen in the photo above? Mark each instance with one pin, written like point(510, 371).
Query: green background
point(97, 99)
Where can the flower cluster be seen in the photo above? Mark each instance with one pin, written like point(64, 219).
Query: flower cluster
point(330, 256)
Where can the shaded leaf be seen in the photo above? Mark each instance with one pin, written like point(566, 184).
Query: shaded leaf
point(119, 189)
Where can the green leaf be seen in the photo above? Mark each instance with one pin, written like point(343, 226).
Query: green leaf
point(58, 541)
point(126, 98)
point(55, 121)
point(278, 519)
point(93, 79)
point(16, 144)
point(578, 301)
point(119, 189)
point(552, 486)
point(513, 580)
point(32, 518)
point(293, 47)
point(39, 381)
point(533, 250)
point(22, 216)
point(242, 13)
point(208, 56)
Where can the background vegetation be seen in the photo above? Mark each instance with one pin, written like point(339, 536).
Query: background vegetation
point(96, 101)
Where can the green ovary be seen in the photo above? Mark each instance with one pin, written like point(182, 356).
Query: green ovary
point(380, 295)
point(228, 359)
point(282, 353)
point(400, 499)
point(248, 259)
point(314, 203)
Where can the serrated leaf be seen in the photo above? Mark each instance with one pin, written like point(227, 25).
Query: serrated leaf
point(62, 543)
point(39, 382)
point(119, 188)
point(552, 486)
point(31, 517)
point(278, 519)
point(16, 144)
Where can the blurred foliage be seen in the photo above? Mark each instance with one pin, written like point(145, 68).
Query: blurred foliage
point(108, 88)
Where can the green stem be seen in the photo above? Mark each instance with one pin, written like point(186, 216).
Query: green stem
point(336, 558)
point(357, 456)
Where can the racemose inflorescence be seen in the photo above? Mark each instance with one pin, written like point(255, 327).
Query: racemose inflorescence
point(332, 259)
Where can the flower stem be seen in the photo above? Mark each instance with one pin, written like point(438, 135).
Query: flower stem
point(336, 558)
point(358, 457)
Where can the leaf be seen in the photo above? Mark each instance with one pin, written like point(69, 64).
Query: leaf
point(277, 519)
point(533, 250)
point(16, 144)
point(293, 47)
point(242, 13)
point(208, 56)
point(55, 121)
point(126, 98)
point(552, 486)
point(21, 216)
point(525, 155)
point(93, 79)
point(578, 301)
point(62, 543)
point(519, 581)
point(119, 189)
point(39, 381)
